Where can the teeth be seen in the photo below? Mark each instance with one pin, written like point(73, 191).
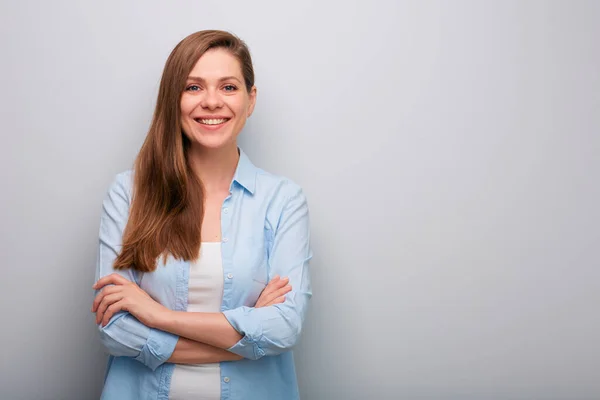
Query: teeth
point(212, 121)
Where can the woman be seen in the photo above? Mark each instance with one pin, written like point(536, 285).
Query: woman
point(202, 274)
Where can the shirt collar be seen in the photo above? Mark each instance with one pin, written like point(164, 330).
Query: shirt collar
point(245, 173)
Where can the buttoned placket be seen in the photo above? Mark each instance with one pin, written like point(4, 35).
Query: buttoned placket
point(225, 253)
point(228, 276)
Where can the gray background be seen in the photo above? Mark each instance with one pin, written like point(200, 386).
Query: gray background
point(449, 151)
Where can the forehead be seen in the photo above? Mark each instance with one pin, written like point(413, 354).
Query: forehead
point(215, 64)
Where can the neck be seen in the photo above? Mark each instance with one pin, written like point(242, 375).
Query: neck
point(214, 167)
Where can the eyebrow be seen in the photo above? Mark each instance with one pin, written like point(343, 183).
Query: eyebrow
point(225, 78)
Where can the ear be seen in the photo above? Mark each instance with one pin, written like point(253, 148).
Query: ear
point(252, 97)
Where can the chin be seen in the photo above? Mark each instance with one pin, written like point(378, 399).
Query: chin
point(212, 142)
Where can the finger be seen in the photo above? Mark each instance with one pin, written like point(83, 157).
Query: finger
point(260, 302)
point(284, 290)
point(278, 293)
point(268, 290)
point(278, 300)
point(106, 302)
point(114, 279)
point(111, 310)
point(275, 285)
point(102, 293)
point(277, 280)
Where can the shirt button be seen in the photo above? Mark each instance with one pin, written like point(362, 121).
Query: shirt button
point(225, 240)
point(226, 379)
point(226, 210)
point(230, 275)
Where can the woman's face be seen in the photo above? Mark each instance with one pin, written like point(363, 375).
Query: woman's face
point(215, 102)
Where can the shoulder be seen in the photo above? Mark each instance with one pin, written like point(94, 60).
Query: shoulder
point(285, 199)
point(278, 187)
point(121, 187)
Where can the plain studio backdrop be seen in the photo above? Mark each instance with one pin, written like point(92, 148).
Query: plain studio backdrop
point(449, 151)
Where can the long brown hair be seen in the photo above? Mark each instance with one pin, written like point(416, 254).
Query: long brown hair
point(167, 208)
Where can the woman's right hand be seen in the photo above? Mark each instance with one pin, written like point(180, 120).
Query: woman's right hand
point(274, 292)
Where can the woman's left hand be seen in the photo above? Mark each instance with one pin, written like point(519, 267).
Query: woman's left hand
point(125, 295)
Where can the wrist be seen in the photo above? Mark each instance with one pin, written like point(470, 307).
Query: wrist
point(162, 319)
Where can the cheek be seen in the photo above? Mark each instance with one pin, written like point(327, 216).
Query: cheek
point(241, 109)
point(185, 123)
point(186, 106)
point(185, 110)
point(185, 120)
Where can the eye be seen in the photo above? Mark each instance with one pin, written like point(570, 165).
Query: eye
point(192, 88)
point(230, 88)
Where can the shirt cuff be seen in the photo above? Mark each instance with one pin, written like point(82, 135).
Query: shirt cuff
point(158, 348)
point(248, 326)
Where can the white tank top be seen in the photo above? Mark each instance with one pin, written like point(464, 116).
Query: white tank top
point(201, 381)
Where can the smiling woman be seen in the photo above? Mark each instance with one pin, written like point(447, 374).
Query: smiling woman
point(216, 102)
point(203, 266)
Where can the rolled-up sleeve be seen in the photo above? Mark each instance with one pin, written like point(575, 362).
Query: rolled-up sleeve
point(124, 335)
point(275, 329)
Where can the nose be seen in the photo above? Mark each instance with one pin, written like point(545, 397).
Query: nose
point(211, 100)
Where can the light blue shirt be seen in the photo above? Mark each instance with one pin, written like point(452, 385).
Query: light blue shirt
point(265, 232)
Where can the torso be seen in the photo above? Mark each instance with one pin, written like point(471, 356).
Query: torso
point(246, 241)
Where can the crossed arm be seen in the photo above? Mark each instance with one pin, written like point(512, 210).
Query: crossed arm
point(132, 324)
point(203, 337)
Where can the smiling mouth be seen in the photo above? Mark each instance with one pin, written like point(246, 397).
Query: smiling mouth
point(211, 121)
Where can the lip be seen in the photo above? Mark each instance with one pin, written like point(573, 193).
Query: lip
point(212, 127)
point(212, 117)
